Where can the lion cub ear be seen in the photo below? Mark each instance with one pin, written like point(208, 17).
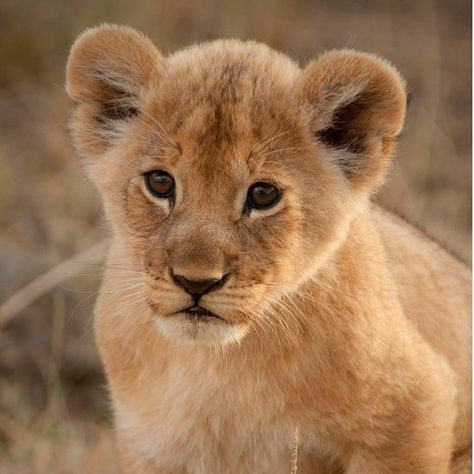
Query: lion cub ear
point(355, 105)
point(109, 72)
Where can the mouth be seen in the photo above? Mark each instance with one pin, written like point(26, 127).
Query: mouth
point(196, 323)
point(197, 311)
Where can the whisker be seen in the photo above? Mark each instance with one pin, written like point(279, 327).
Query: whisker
point(280, 150)
point(260, 146)
point(164, 132)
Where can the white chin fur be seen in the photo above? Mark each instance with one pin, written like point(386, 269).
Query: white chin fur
point(210, 331)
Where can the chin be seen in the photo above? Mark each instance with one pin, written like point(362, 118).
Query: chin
point(207, 330)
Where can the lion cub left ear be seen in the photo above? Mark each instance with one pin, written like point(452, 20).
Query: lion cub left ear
point(109, 72)
point(355, 104)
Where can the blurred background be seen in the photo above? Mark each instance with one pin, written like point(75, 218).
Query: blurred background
point(54, 413)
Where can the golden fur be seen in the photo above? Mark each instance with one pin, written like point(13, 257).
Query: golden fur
point(338, 320)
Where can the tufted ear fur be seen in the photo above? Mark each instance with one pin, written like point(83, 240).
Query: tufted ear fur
point(109, 72)
point(355, 105)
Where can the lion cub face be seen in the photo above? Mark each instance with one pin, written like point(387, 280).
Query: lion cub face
point(229, 174)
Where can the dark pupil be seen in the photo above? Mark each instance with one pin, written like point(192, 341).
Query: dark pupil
point(263, 195)
point(161, 183)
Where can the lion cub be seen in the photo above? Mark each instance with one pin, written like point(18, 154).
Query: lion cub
point(252, 292)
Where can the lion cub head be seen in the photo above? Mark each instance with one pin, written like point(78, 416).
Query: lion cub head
point(229, 173)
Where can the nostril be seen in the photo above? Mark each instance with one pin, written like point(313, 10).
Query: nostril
point(222, 281)
point(197, 288)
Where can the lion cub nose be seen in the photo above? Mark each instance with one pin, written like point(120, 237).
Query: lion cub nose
point(197, 288)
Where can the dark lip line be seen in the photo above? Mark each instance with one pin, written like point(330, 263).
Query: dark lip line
point(197, 311)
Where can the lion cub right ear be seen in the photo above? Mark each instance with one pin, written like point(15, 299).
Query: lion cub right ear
point(109, 72)
point(355, 104)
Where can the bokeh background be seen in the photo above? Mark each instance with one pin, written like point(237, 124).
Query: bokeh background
point(54, 413)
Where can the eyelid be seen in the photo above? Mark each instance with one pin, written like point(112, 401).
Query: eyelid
point(145, 171)
point(148, 163)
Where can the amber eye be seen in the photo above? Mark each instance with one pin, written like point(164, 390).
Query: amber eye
point(262, 196)
point(160, 184)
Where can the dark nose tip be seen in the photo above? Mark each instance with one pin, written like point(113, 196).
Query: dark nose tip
point(197, 288)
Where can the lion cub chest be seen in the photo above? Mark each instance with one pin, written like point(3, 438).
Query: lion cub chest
point(202, 422)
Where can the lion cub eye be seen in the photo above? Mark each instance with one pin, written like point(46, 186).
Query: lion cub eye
point(160, 184)
point(262, 196)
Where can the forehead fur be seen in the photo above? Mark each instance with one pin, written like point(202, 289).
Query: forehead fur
point(248, 58)
point(212, 92)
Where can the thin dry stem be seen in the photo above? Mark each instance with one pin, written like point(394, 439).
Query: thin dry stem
point(47, 281)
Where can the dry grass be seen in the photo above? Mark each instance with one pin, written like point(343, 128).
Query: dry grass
point(51, 441)
point(53, 409)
